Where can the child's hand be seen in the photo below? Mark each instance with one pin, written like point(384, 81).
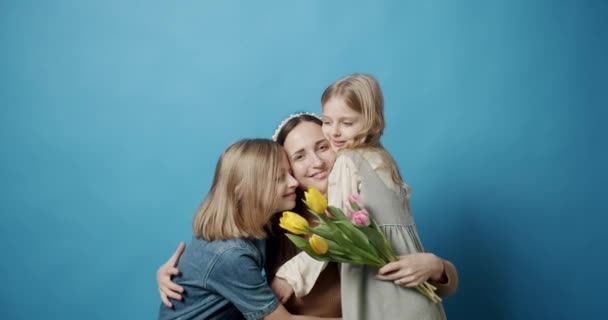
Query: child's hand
point(281, 289)
point(412, 270)
point(166, 287)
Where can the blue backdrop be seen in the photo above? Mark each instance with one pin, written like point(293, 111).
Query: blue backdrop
point(113, 114)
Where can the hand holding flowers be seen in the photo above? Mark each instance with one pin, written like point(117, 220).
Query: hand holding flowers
point(354, 238)
point(413, 269)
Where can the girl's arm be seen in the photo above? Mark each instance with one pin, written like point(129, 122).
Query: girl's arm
point(413, 269)
point(447, 284)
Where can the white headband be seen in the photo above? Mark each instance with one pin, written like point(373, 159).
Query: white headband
point(291, 116)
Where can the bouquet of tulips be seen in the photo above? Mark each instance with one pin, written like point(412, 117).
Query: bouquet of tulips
point(354, 238)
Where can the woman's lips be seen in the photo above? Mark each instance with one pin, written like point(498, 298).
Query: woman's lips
point(320, 175)
point(291, 196)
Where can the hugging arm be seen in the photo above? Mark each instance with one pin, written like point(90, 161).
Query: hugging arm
point(166, 287)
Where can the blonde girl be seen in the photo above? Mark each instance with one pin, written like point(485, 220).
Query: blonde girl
point(222, 268)
point(353, 121)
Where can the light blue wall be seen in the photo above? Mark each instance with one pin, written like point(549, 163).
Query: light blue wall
point(113, 114)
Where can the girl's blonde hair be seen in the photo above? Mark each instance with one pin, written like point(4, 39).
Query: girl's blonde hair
point(362, 93)
point(242, 195)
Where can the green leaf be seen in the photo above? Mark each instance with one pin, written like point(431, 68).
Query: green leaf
point(338, 249)
point(343, 253)
point(354, 205)
point(390, 253)
point(297, 240)
point(337, 213)
point(376, 238)
point(353, 233)
point(324, 231)
point(357, 242)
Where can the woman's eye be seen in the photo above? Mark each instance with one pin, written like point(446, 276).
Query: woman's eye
point(348, 124)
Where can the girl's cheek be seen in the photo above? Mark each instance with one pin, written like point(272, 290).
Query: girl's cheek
point(325, 131)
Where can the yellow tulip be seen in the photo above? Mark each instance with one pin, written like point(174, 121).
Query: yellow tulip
point(318, 244)
point(315, 201)
point(293, 223)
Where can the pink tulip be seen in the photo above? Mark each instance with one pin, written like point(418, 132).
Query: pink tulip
point(360, 218)
point(355, 198)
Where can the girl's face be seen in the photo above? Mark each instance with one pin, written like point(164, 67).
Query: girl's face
point(310, 155)
point(285, 187)
point(341, 124)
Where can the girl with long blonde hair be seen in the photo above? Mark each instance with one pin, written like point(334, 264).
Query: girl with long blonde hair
point(222, 270)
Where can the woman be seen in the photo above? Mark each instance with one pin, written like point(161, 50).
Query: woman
point(311, 159)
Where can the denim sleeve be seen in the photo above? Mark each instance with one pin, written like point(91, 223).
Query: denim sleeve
point(237, 276)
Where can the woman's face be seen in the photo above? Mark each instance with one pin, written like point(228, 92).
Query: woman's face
point(310, 155)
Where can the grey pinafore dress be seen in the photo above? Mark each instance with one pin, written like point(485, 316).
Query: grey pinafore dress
point(365, 298)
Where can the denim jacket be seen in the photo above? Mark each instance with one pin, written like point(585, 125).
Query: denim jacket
point(222, 279)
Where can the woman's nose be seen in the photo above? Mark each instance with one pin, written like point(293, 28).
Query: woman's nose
point(316, 161)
